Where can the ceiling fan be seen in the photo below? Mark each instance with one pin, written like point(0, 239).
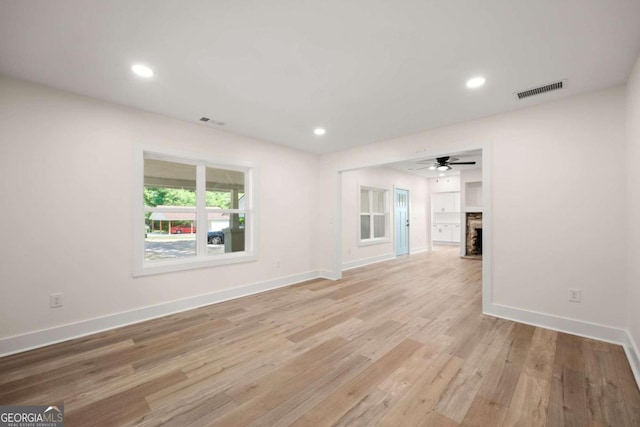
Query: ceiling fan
point(443, 163)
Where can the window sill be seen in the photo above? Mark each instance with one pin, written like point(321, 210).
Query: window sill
point(173, 265)
point(370, 242)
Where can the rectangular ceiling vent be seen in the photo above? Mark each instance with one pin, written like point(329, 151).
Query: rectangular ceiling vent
point(541, 89)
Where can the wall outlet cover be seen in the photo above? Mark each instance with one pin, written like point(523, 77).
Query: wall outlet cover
point(575, 295)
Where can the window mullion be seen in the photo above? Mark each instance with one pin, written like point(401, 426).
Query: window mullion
point(371, 215)
point(201, 211)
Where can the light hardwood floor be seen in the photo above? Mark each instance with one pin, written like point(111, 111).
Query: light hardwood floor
point(400, 343)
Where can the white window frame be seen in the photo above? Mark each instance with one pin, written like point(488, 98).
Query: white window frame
point(387, 233)
point(201, 260)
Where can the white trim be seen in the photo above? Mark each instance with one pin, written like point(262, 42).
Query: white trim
point(336, 222)
point(366, 261)
point(487, 227)
point(633, 354)
point(44, 337)
point(419, 250)
point(372, 242)
point(329, 275)
point(386, 214)
point(558, 323)
point(140, 266)
point(395, 236)
point(181, 264)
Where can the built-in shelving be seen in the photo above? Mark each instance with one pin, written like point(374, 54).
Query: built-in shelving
point(473, 196)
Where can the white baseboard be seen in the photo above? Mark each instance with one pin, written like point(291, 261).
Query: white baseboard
point(41, 338)
point(366, 261)
point(633, 354)
point(560, 324)
point(329, 275)
point(419, 250)
point(574, 327)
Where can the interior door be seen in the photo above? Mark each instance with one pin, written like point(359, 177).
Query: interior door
point(402, 221)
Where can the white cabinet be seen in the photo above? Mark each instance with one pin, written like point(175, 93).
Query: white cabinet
point(446, 233)
point(445, 202)
point(441, 233)
point(455, 233)
point(445, 210)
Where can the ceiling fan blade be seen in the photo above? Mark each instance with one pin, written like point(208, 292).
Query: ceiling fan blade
point(462, 163)
point(446, 159)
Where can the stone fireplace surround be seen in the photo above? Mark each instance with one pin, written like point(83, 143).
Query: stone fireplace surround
point(473, 238)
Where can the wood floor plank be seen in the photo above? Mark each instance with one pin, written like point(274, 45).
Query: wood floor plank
point(200, 412)
point(569, 351)
point(368, 411)
point(122, 407)
point(501, 380)
point(628, 385)
point(323, 325)
point(315, 392)
point(605, 399)
point(279, 377)
point(541, 355)
point(568, 399)
point(529, 403)
point(420, 399)
point(399, 343)
point(483, 412)
point(459, 394)
point(347, 396)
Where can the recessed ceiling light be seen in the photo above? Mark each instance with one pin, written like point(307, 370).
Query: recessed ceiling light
point(475, 82)
point(142, 71)
point(319, 131)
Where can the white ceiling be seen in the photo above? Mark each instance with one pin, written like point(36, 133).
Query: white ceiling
point(367, 70)
point(420, 167)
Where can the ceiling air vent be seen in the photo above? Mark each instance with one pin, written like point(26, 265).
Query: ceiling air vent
point(541, 89)
point(215, 122)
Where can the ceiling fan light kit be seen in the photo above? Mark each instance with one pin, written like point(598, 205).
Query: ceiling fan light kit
point(442, 164)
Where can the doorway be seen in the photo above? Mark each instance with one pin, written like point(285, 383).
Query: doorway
point(356, 254)
point(401, 216)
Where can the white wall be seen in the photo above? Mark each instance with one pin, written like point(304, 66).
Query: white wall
point(558, 221)
point(633, 201)
point(354, 254)
point(66, 169)
point(444, 184)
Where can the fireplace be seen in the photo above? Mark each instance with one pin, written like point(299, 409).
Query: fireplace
point(474, 234)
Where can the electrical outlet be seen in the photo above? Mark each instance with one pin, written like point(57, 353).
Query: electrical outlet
point(55, 300)
point(348, 251)
point(278, 264)
point(575, 295)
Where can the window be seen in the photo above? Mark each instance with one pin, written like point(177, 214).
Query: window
point(374, 215)
point(194, 213)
